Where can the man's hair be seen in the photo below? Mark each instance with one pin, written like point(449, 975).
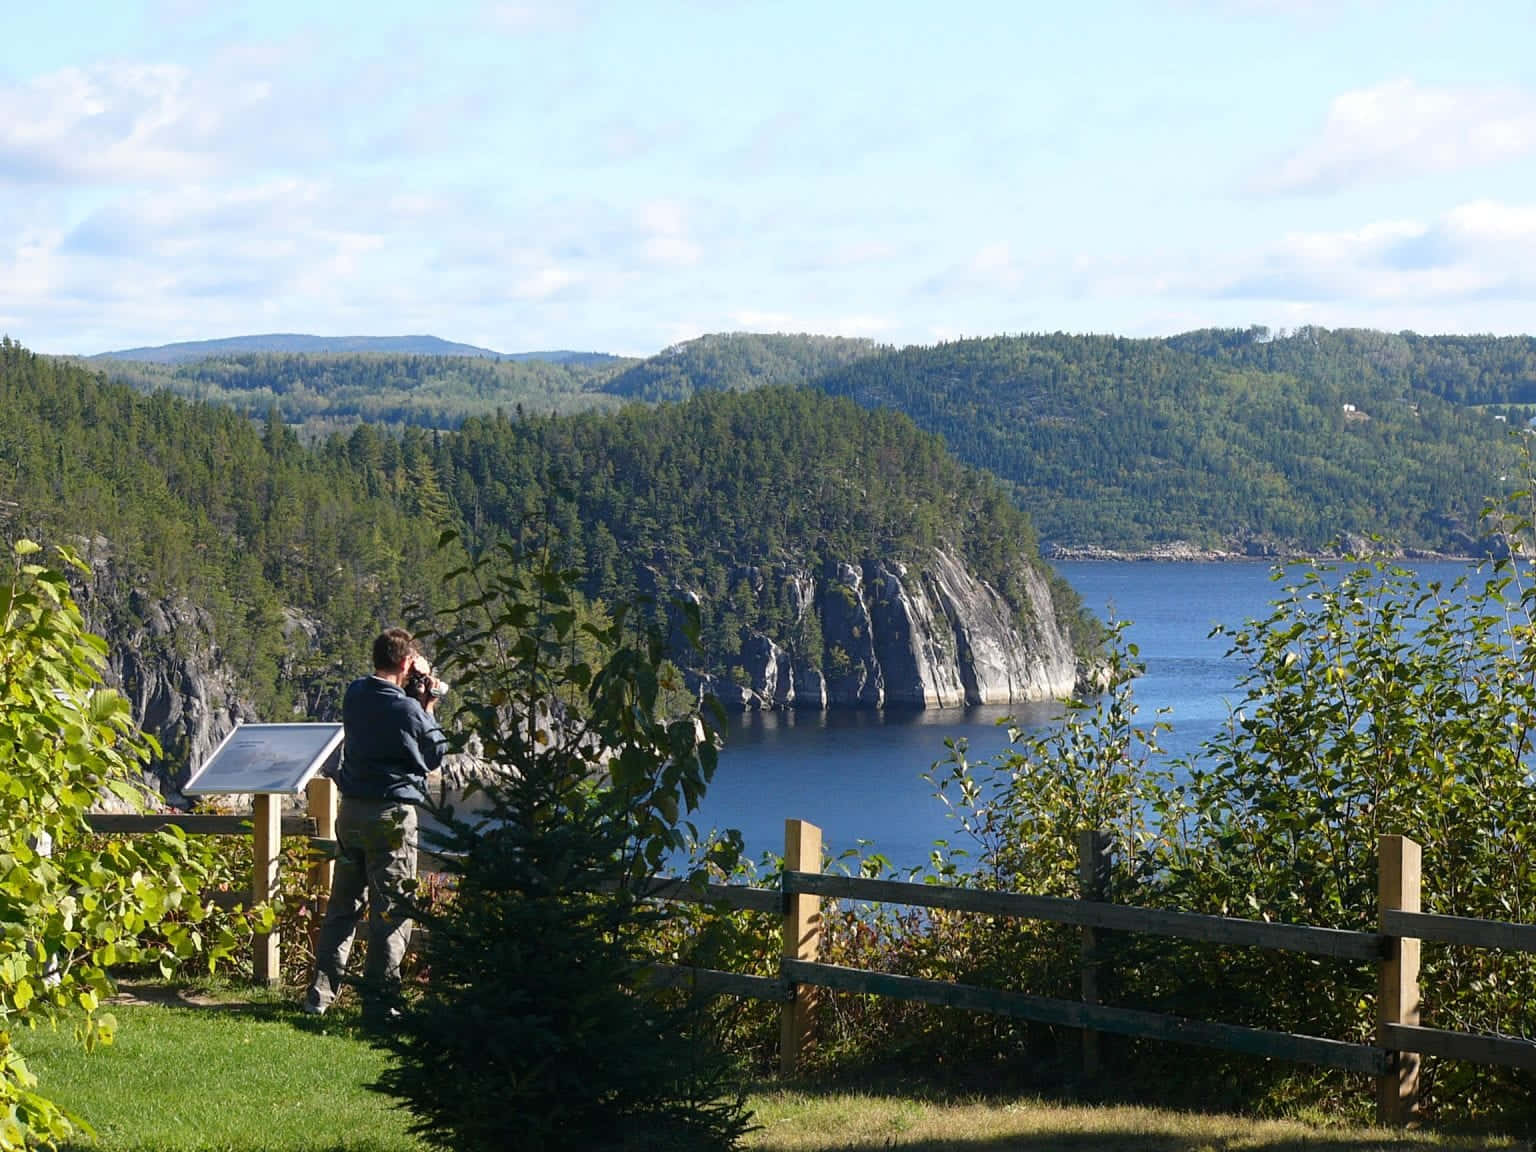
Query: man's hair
point(392, 648)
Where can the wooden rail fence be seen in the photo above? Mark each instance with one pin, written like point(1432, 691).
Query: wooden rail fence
point(266, 825)
point(1393, 1059)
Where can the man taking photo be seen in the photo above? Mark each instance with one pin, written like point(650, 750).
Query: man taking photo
point(391, 741)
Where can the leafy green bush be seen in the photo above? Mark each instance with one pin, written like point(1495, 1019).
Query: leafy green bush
point(1374, 704)
point(72, 907)
point(535, 1029)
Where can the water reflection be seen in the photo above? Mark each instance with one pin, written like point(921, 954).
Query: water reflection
point(859, 774)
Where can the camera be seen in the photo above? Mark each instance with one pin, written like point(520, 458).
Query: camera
point(424, 687)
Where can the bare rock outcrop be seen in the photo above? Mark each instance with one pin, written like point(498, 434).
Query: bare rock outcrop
point(926, 633)
point(164, 659)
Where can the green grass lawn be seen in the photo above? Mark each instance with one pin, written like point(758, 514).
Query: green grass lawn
point(248, 1076)
point(235, 1077)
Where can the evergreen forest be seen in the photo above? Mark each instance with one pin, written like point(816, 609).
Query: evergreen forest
point(1232, 439)
point(324, 393)
point(301, 551)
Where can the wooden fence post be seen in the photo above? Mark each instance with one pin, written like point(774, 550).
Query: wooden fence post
point(1093, 878)
point(266, 814)
point(1397, 1091)
point(321, 796)
point(802, 941)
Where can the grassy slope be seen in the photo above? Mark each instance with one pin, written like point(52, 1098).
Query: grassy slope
point(248, 1077)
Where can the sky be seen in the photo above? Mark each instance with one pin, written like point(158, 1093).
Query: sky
point(621, 176)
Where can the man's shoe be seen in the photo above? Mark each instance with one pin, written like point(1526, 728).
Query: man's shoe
point(313, 1007)
point(381, 1017)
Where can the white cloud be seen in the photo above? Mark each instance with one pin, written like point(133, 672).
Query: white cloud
point(105, 124)
point(1400, 129)
point(173, 263)
point(753, 320)
point(667, 238)
point(848, 324)
point(525, 17)
point(247, 108)
point(1478, 250)
point(148, 265)
point(546, 281)
point(1487, 221)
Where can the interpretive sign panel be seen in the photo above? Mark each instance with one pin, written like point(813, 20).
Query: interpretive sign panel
point(272, 758)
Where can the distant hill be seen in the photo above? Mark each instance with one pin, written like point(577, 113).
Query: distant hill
point(574, 359)
point(735, 362)
point(291, 342)
point(333, 392)
point(294, 343)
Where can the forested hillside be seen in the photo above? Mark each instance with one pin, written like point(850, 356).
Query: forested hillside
point(326, 393)
point(196, 500)
point(1230, 439)
point(298, 553)
point(731, 362)
point(1223, 439)
point(714, 489)
point(1468, 370)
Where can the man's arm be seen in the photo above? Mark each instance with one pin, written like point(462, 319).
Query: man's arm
point(431, 739)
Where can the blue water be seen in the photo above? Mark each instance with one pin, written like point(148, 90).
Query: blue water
point(859, 775)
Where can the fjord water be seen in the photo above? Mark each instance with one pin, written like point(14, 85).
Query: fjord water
point(859, 775)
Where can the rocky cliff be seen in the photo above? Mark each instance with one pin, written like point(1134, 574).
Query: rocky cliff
point(922, 633)
point(164, 657)
point(925, 634)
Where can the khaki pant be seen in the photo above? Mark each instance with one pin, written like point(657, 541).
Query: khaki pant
point(377, 862)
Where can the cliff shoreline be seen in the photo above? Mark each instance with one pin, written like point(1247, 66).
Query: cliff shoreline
point(1182, 553)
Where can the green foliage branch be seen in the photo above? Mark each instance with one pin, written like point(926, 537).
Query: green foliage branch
point(71, 906)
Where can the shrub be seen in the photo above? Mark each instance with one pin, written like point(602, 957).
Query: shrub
point(1373, 704)
point(72, 907)
point(1376, 705)
point(536, 1029)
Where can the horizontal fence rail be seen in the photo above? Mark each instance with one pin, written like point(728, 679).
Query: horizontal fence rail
point(192, 823)
point(733, 896)
point(1499, 934)
point(1073, 1014)
point(1510, 1051)
point(1335, 942)
point(266, 824)
point(713, 982)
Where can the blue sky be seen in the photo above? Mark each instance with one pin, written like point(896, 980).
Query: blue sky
point(533, 174)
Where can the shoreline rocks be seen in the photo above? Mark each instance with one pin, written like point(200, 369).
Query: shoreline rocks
point(1183, 552)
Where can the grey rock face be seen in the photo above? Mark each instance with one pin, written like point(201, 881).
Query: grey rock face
point(926, 634)
point(174, 677)
point(163, 657)
point(916, 644)
point(852, 668)
point(769, 666)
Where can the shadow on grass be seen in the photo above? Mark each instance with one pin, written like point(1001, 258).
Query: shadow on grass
point(267, 1006)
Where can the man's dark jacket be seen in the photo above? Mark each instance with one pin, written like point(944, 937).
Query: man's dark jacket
point(391, 743)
